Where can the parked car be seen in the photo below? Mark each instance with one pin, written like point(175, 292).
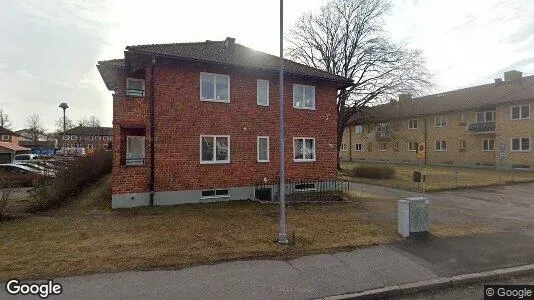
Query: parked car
point(46, 171)
point(18, 175)
point(21, 158)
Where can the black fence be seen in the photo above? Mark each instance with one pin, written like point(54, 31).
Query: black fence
point(304, 191)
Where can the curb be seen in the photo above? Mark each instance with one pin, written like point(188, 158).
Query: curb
point(437, 283)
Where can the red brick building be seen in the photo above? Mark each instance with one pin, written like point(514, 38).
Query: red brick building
point(215, 129)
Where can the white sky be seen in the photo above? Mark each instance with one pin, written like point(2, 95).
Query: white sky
point(50, 48)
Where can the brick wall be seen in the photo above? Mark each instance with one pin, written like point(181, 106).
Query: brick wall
point(181, 118)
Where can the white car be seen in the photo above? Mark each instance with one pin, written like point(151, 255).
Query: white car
point(23, 158)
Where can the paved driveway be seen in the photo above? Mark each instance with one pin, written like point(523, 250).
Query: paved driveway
point(505, 207)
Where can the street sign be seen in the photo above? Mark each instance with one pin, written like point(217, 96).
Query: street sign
point(503, 150)
point(421, 151)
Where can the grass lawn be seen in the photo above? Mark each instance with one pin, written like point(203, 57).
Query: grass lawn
point(440, 177)
point(86, 236)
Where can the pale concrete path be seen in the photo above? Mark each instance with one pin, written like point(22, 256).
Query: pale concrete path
point(313, 276)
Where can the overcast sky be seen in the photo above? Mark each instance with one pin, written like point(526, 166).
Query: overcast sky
point(49, 49)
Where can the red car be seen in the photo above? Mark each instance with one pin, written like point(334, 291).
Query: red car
point(18, 175)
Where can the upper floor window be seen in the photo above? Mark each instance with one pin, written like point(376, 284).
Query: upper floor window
point(303, 96)
point(412, 124)
point(359, 128)
point(262, 97)
point(135, 87)
point(382, 127)
point(214, 149)
point(396, 126)
point(521, 144)
point(5, 137)
point(441, 121)
point(304, 149)
point(485, 116)
point(520, 112)
point(214, 87)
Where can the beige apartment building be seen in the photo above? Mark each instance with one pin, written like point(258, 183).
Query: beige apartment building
point(468, 127)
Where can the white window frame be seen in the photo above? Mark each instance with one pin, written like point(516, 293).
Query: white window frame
point(66, 137)
point(397, 145)
point(485, 119)
point(441, 123)
point(356, 147)
point(304, 96)
point(343, 147)
point(258, 81)
point(410, 124)
point(90, 138)
point(441, 148)
point(358, 129)
point(128, 150)
point(411, 144)
point(90, 146)
point(214, 161)
point(258, 149)
point(304, 144)
point(128, 86)
point(214, 87)
point(520, 144)
point(488, 143)
point(463, 118)
point(215, 196)
point(520, 112)
point(73, 137)
point(385, 146)
point(105, 138)
point(5, 137)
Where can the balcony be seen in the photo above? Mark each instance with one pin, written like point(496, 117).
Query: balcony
point(382, 135)
point(479, 128)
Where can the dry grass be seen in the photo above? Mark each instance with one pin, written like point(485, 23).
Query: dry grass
point(86, 236)
point(441, 178)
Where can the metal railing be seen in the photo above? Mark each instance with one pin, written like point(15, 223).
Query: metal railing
point(488, 127)
point(307, 191)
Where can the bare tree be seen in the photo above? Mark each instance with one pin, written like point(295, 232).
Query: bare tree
point(4, 119)
point(59, 124)
point(93, 121)
point(35, 126)
point(347, 38)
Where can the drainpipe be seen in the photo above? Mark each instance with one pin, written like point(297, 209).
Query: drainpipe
point(152, 131)
point(426, 145)
point(350, 143)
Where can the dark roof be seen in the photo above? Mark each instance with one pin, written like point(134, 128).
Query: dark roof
point(487, 95)
point(215, 52)
point(4, 130)
point(83, 130)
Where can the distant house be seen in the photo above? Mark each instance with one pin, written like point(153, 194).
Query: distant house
point(44, 145)
point(9, 136)
point(211, 110)
point(9, 145)
point(90, 138)
point(466, 127)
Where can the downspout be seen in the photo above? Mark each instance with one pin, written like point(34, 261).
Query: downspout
point(426, 144)
point(350, 143)
point(152, 131)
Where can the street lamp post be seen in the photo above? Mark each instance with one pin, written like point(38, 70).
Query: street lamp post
point(282, 237)
point(64, 106)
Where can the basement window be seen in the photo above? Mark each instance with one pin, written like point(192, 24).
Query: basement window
point(305, 187)
point(135, 87)
point(214, 194)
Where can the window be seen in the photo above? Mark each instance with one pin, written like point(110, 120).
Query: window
point(359, 129)
point(66, 137)
point(105, 138)
point(214, 87)
point(463, 118)
point(359, 147)
point(214, 149)
point(343, 147)
point(211, 194)
point(98, 138)
point(397, 126)
point(370, 147)
point(412, 146)
point(441, 145)
point(135, 87)
point(305, 187)
point(521, 144)
point(412, 124)
point(382, 127)
point(303, 96)
point(383, 147)
point(110, 138)
point(485, 116)
point(520, 112)
point(135, 150)
point(488, 145)
point(463, 145)
point(263, 149)
point(90, 138)
point(5, 137)
point(89, 146)
point(441, 121)
point(73, 137)
point(303, 149)
point(396, 146)
point(262, 97)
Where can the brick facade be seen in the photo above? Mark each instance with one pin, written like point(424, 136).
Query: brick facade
point(181, 117)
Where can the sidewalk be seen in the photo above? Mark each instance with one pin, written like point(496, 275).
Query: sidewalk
point(313, 276)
